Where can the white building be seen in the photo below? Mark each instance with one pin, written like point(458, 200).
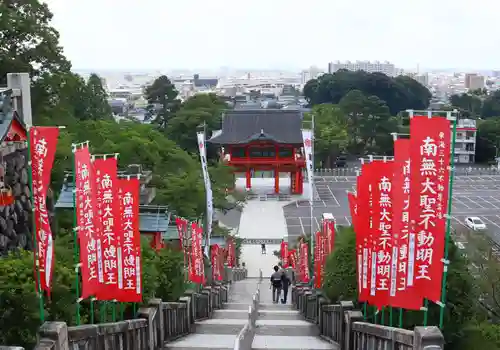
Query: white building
point(465, 142)
point(370, 67)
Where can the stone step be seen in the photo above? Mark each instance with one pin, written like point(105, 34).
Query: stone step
point(279, 315)
point(203, 342)
point(220, 326)
point(291, 328)
point(271, 306)
point(230, 314)
point(261, 342)
point(236, 306)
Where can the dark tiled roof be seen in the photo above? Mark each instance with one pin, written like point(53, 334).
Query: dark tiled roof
point(240, 126)
point(205, 82)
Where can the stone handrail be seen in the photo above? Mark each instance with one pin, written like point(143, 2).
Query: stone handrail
point(343, 325)
point(155, 323)
point(244, 339)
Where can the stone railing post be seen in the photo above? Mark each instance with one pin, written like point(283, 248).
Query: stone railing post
point(147, 313)
point(208, 292)
point(428, 338)
point(56, 332)
point(157, 303)
point(189, 307)
point(350, 317)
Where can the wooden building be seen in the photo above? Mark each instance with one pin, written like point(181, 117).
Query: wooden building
point(263, 139)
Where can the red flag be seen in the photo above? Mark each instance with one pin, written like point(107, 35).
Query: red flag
point(400, 294)
point(430, 160)
point(363, 237)
point(330, 236)
point(109, 239)
point(353, 208)
point(292, 258)
point(129, 252)
point(89, 224)
point(230, 253)
point(305, 263)
point(196, 267)
point(284, 253)
point(214, 254)
point(318, 260)
point(43, 144)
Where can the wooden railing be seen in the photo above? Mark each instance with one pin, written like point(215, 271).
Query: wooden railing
point(156, 323)
point(344, 325)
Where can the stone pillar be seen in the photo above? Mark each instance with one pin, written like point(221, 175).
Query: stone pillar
point(248, 179)
point(349, 318)
point(428, 338)
point(56, 332)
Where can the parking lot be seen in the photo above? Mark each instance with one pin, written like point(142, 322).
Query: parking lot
point(476, 195)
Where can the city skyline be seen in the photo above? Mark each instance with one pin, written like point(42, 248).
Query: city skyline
point(273, 35)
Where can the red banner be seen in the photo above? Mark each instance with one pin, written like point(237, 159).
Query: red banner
point(231, 259)
point(363, 234)
point(43, 144)
point(109, 238)
point(304, 256)
point(381, 173)
point(182, 228)
point(129, 253)
point(292, 258)
point(216, 268)
point(196, 266)
point(284, 253)
point(430, 160)
point(353, 208)
point(329, 234)
point(318, 260)
point(400, 294)
point(89, 224)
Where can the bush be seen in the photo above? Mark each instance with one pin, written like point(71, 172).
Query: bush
point(162, 276)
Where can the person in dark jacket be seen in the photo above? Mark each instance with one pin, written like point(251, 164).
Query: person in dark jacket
point(276, 279)
point(285, 283)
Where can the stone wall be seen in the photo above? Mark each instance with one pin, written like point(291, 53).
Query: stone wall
point(16, 219)
point(344, 325)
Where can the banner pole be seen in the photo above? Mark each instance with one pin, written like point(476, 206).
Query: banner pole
point(401, 311)
point(38, 287)
point(382, 318)
point(442, 303)
point(92, 299)
point(76, 253)
point(390, 316)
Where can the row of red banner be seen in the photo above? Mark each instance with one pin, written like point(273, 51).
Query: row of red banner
point(324, 245)
point(107, 214)
point(399, 216)
point(194, 259)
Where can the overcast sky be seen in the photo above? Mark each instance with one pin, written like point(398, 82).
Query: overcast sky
point(165, 34)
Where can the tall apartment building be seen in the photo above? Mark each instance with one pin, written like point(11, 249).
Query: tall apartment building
point(465, 143)
point(370, 67)
point(474, 81)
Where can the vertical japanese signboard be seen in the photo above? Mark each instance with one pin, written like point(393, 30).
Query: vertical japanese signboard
point(353, 208)
point(381, 173)
point(284, 253)
point(206, 180)
point(109, 239)
point(363, 233)
point(89, 225)
point(304, 256)
point(292, 258)
point(429, 182)
point(43, 143)
point(216, 268)
point(196, 267)
point(308, 140)
point(403, 253)
point(129, 243)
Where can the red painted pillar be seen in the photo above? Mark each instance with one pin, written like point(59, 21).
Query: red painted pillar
point(249, 179)
point(300, 181)
point(276, 180)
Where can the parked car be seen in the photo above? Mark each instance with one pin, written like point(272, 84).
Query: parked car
point(475, 223)
point(341, 162)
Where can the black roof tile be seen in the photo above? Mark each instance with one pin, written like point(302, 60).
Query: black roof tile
point(242, 126)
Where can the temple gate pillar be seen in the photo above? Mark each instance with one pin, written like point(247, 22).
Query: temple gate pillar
point(249, 179)
point(276, 180)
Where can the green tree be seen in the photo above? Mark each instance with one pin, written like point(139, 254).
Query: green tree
point(398, 95)
point(28, 42)
point(331, 133)
point(469, 105)
point(491, 105)
point(488, 140)
point(98, 106)
point(162, 99)
point(370, 123)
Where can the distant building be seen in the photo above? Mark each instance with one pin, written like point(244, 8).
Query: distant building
point(465, 143)
point(367, 66)
point(422, 79)
point(474, 81)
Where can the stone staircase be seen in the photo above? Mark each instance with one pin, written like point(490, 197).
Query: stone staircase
point(281, 327)
point(220, 331)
